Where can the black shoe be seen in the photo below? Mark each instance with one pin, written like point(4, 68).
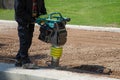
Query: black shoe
point(25, 61)
point(18, 63)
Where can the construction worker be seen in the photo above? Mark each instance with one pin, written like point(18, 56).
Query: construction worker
point(26, 12)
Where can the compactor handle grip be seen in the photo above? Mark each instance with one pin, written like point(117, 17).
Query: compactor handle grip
point(52, 15)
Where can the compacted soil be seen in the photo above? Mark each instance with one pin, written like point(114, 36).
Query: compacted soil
point(92, 52)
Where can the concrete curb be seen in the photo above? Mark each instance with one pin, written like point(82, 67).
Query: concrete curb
point(9, 72)
point(9, 24)
point(95, 28)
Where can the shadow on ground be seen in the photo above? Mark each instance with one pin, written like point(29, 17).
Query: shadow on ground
point(91, 69)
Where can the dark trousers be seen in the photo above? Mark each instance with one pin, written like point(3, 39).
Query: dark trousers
point(25, 34)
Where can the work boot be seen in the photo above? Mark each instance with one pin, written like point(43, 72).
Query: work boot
point(25, 60)
point(18, 63)
point(25, 63)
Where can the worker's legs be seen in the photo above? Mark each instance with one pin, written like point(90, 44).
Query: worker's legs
point(25, 33)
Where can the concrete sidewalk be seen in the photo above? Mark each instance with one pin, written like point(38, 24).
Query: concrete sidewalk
point(9, 72)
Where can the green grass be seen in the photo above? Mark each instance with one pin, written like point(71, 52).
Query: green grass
point(6, 14)
point(82, 12)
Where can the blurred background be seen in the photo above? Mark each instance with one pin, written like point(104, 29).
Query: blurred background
point(6, 4)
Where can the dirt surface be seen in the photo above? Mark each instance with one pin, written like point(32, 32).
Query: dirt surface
point(93, 52)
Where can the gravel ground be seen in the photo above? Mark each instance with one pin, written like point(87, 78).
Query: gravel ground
point(86, 51)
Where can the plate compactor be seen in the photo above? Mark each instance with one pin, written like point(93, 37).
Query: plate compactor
point(53, 31)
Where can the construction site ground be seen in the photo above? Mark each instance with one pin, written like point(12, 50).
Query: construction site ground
point(86, 51)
